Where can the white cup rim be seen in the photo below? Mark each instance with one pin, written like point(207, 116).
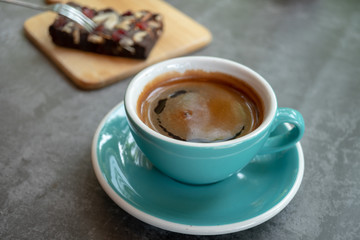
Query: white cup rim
point(157, 69)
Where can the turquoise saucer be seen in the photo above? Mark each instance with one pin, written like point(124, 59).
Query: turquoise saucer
point(254, 195)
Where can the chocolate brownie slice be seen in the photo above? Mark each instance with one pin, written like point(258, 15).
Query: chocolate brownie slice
point(130, 34)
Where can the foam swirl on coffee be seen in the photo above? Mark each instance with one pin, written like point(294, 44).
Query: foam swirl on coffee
point(199, 108)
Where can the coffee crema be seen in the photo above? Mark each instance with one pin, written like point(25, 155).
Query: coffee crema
point(199, 106)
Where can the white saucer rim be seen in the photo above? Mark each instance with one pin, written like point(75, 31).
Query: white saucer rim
point(184, 228)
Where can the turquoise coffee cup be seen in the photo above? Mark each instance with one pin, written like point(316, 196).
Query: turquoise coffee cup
point(204, 163)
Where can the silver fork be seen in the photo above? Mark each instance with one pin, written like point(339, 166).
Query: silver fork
point(62, 9)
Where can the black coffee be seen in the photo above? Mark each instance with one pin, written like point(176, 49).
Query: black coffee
point(199, 106)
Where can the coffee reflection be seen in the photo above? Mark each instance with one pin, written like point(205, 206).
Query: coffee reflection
point(199, 106)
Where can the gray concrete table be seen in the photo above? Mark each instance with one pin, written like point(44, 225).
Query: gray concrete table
point(309, 51)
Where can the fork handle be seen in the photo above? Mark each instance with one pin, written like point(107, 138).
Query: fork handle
point(26, 4)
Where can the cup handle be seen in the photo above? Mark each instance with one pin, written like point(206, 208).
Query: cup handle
point(289, 138)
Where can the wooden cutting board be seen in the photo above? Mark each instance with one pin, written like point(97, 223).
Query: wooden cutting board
point(182, 35)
